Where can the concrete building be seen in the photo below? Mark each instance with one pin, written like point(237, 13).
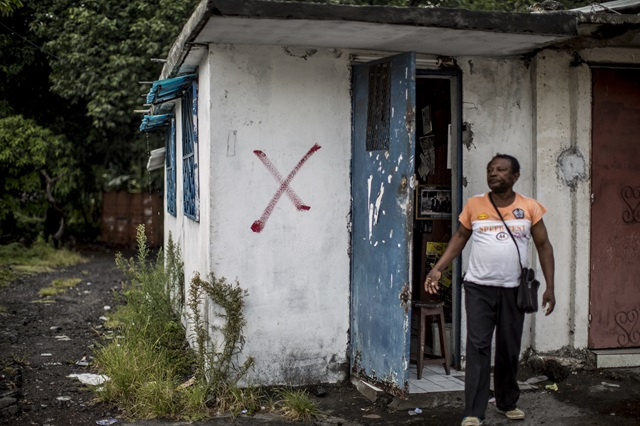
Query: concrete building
point(320, 145)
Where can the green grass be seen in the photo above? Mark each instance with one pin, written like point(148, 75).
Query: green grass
point(295, 404)
point(17, 259)
point(66, 282)
point(50, 291)
point(59, 286)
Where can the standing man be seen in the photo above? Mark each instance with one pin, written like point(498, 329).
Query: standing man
point(491, 285)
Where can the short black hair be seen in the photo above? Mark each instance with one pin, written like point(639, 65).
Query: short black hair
point(515, 164)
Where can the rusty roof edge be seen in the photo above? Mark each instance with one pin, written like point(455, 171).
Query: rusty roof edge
point(558, 23)
point(181, 46)
point(565, 23)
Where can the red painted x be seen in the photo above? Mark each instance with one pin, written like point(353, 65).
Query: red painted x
point(259, 224)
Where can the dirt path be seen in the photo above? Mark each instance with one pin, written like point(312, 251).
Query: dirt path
point(40, 344)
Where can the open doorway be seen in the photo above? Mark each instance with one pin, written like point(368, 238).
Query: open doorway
point(435, 215)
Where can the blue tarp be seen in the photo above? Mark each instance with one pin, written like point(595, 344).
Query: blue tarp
point(168, 89)
point(154, 122)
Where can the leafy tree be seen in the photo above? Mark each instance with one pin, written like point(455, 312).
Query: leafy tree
point(37, 173)
point(71, 69)
point(7, 7)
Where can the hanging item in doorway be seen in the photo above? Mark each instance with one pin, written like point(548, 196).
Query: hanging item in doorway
point(433, 202)
point(427, 156)
point(427, 126)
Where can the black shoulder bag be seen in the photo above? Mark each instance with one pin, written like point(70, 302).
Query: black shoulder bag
point(528, 288)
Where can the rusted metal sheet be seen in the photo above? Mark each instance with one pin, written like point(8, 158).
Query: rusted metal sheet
point(122, 212)
point(615, 210)
point(381, 228)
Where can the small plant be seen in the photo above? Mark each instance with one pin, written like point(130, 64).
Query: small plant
point(295, 404)
point(217, 366)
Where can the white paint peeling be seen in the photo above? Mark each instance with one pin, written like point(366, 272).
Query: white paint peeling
point(406, 93)
point(386, 154)
point(370, 154)
point(393, 111)
point(400, 159)
point(370, 206)
point(391, 234)
point(389, 178)
point(378, 202)
point(375, 244)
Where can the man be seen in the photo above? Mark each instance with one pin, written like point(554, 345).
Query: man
point(491, 282)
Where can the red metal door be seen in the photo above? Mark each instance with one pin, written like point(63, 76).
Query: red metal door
point(615, 210)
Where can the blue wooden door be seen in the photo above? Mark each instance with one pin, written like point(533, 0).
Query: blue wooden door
point(382, 220)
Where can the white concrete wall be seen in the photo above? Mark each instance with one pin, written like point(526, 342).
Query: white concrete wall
point(563, 138)
point(498, 109)
point(296, 269)
point(562, 130)
point(186, 233)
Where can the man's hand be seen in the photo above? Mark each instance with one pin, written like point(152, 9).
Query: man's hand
point(431, 282)
point(548, 301)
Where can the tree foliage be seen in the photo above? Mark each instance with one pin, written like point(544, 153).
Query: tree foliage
point(31, 156)
point(72, 69)
point(101, 50)
point(7, 7)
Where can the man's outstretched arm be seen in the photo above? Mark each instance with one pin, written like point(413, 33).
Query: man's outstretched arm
point(454, 248)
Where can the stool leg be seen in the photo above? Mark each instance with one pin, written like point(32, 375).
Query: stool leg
point(443, 341)
point(420, 360)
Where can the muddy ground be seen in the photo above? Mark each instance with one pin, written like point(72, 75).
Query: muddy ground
point(43, 343)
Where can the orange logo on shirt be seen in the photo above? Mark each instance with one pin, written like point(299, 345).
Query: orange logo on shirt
point(482, 216)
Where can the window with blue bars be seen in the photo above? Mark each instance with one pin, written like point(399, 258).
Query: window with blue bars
point(190, 152)
point(170, 172)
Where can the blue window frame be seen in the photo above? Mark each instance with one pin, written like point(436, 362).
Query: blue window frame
point(170, 164)
point(190, 152)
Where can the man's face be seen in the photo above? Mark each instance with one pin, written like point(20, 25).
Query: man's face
point(500, 178)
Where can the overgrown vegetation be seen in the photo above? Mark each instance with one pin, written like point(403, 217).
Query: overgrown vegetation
point(153, 373)
point(17, 259)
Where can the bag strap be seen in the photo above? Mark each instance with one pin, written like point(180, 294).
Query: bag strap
point(508, 230)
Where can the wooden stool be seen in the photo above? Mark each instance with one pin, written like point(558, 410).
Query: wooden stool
point(431, 309)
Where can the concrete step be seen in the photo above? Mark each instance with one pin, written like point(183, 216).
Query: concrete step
point(615, 358)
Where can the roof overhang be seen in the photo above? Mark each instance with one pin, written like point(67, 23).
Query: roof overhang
point(429, 31)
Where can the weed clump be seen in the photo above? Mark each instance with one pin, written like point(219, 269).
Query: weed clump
point(153, 372)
